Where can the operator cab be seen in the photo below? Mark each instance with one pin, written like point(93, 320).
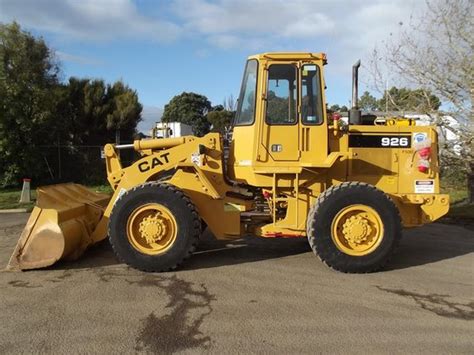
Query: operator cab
point(280, 119)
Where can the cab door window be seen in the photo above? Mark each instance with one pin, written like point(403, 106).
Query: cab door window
point(311, 104)
point(281, 95)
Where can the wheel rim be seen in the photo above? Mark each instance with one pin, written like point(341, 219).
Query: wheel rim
point(357, 230)
point(151, 229)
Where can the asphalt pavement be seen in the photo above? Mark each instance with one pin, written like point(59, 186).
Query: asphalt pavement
point(248, 296)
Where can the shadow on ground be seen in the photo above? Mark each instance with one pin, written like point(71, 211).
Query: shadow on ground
point(430, 244)
point(210, 253)
point(426, 245)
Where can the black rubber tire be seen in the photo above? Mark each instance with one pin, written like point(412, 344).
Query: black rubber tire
point(183, 210)
point(321, 216)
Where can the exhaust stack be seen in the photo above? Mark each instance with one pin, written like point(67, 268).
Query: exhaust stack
point(354, 113)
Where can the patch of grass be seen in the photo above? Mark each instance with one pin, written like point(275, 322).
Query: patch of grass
point(455, 186)
point(9, 199)
point(457, 193)
point(106, 189)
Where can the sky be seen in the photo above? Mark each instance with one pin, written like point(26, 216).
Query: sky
point(162, 48)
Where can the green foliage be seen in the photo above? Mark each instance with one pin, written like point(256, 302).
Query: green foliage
point(94, 113)
point(403, 99)
point(452, 172)
point(396, 99)
point(124, 107)
point(220, 119)
point(337, 108)
point(218, 108)
point(28, 89)
point(105, 189)
point(37, 111)
point(9, 199)
point(367, 102)
point(191, 109)
point(453, 178)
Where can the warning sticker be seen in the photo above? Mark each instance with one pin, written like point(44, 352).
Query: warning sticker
point(424, 186)
point(196, 159)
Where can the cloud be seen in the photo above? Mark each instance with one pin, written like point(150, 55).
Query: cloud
point(88, 19)
point(252, 23)
point(150, 115)
point(229, 41)
point(67, 57)
point(295, 19)
point(344, 29)
point(244, 24)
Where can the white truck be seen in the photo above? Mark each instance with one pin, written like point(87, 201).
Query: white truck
point(171, 130)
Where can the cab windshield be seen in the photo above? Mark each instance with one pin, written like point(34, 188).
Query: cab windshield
point(245, 114)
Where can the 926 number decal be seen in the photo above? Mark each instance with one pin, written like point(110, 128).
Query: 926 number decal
point(379, 141)
point(395, 142)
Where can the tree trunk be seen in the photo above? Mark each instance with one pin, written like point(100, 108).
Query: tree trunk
point(470, 184)
point(470, 174)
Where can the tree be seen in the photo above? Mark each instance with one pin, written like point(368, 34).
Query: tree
point(221, 120)
point(92, 111)
point(124, 110)
point(221, 117)
point(436, 53)
point(335, 108)
point(191, 109)
point(405, 100)
point(48, 126)
point(367, 102)
point(28, 92)
point(95, 114)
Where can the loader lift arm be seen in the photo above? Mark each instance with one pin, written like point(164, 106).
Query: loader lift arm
point(199, 173)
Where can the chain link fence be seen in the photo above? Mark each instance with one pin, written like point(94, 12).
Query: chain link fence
point(82, 164)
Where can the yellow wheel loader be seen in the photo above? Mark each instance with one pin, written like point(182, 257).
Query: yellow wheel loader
point(290, 172)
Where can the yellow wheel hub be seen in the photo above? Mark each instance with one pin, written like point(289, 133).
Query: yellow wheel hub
point(357, 230)
point(151, 229)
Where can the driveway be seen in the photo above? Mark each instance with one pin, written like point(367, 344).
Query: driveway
point(249, 296)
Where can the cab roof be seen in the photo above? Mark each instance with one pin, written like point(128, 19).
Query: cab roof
point(289, 56)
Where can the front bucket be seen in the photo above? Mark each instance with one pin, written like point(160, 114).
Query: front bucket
point(59, 227)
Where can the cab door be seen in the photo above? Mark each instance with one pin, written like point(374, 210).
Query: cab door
point(280, 135)
point(313, 124)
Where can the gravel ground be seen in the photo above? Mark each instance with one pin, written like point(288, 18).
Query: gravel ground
point(248, 296)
